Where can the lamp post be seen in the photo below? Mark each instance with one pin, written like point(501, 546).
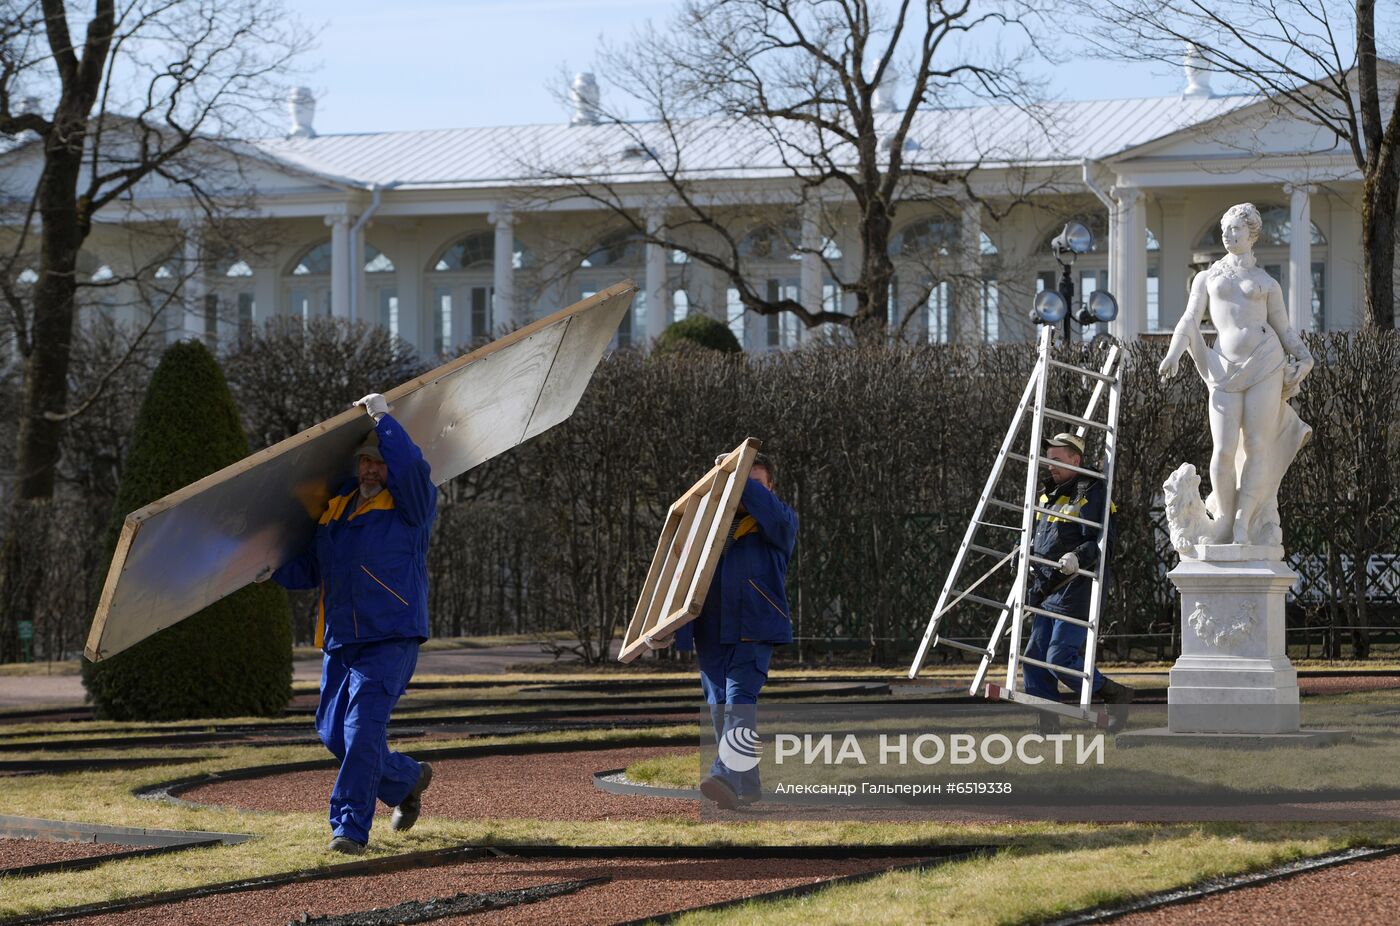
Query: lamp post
point(1052, 306)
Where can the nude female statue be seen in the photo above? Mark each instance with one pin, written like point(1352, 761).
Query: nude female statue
point(1256, 365)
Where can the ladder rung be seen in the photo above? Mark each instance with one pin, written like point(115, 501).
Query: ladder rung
point(1106, 377)
point(1059, 617)
point(1050, 562)
point(1046, 462)
point(978, 650)
point(1008, 506)
point(987, 551)
point(1005, 527)
point(1052, 667)
point(1051, 512)
point(968, 596)
point(1075, 419)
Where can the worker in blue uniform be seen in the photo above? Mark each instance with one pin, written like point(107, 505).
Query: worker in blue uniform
point(744, 617)
point(1066, 587)
point(369, 561)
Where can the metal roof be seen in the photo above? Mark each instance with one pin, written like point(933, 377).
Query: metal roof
point(1063, 132)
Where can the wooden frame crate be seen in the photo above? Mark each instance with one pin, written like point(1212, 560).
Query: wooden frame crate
point(688, 552)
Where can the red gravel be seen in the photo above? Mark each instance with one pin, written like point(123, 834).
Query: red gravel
point(640, 887)
point(1357, 893)
point(1340, 684)
point(19, 853)
point(492, 787)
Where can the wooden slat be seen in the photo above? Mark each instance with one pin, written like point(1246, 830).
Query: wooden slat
point(687, 577)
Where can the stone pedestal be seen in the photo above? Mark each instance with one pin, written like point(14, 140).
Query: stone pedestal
point(1233, 675)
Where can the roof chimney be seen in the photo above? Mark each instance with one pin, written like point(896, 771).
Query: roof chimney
point(884, 99)
point(1197, 75)
point(301, 105)
point(585, 97)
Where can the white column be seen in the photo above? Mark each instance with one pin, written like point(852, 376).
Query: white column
point(408, 277)
point(1172, 270)
point(1115, 245)
point(194, 287)
point(1300, 256)
point(967, 310)
point(810, 275)
point(1132, 255)
point(658, 299)
point(340, 265)
point(503, 309)
point(360, 304)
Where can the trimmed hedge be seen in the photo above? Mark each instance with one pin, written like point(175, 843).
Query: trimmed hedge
point(698, 331)
point(233, 658)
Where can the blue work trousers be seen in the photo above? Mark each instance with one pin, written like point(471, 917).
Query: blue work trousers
point(731, 676)
point(360, 683)
point(1059, 643)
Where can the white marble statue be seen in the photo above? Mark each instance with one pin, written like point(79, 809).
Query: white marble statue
point(1255, 366)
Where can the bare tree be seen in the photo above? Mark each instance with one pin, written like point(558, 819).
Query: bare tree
point(1314, 59)
point(130, 107)
point(798, 95)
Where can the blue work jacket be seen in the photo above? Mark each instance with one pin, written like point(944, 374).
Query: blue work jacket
point(369, 558)
point(1055, 536)
point(747, 600)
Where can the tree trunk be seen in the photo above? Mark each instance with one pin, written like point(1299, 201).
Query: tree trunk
point(1379, 199)
point(45, 383)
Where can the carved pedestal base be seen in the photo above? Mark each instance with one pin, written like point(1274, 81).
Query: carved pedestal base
point(1233, 675)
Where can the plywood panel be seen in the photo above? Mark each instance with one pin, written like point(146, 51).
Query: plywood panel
point(692, 539)
point(195, 546)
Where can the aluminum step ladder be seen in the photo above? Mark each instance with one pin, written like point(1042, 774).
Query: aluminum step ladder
point(1012, 609)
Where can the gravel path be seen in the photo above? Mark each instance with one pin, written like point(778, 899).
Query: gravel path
point(1357, 893)
point(639, 887)
point(19, 853)
point(492, 787)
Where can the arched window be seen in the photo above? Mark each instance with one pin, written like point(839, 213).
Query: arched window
point(230, 298)
point(462, 289)
point(620, 247)
point(376, 261)
point(926, 238)
point(772, 243)
point(1276, 233)
point(314, 261)
point(473, 252)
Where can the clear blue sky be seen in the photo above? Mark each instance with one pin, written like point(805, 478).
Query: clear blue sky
point(421, 64)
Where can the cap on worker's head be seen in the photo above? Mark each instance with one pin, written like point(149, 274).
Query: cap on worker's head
point(370, 448)
point(1066, 439)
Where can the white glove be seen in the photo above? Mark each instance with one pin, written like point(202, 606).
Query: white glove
point(264, 574)
point(1069, 563)
point(375, 404)
point(659, 644)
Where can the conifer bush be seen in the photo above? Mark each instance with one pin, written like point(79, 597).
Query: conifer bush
point(234, 658)
point(698, 331)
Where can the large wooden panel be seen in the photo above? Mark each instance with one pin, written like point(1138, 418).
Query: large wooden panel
point(692, 539)
point(195, 546)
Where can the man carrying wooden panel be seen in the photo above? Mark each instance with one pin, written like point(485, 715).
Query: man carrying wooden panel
point(369, 560)
point(745, 615)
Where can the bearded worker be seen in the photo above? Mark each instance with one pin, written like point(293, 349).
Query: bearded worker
point(369, 561)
